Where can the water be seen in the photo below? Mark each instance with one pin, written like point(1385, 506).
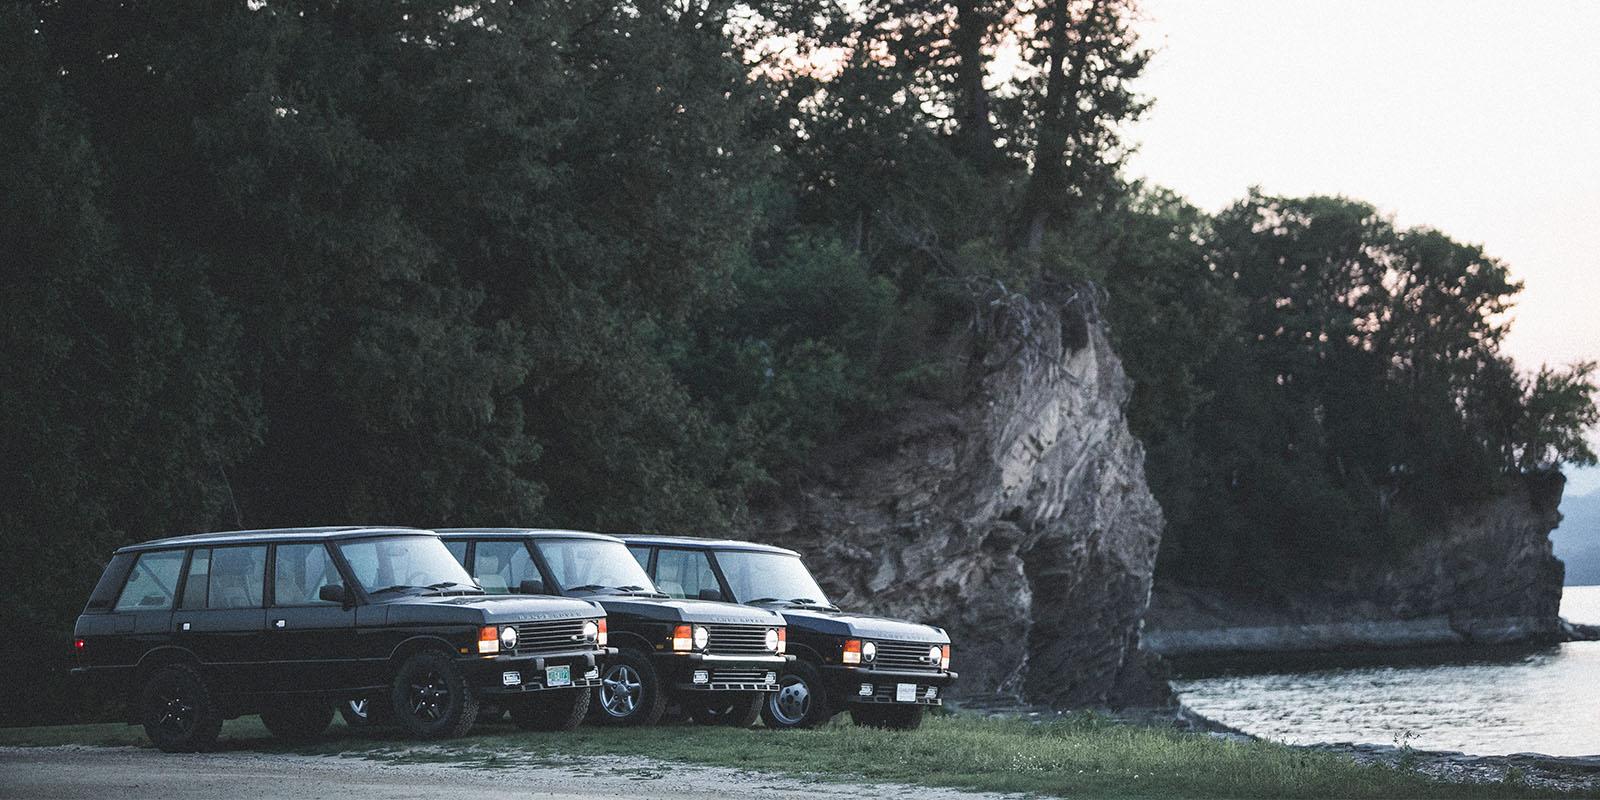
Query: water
point(1545, 701)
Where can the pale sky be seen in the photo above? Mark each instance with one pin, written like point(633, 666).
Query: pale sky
point(1481, 119)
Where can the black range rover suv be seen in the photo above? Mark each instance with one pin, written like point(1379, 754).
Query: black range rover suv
point(196, 629)
point(884, 671)
point(716, 661)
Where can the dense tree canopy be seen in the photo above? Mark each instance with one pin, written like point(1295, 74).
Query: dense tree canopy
point(617, 265)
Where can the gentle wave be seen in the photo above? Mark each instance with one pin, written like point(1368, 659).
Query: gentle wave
point(1546, 701)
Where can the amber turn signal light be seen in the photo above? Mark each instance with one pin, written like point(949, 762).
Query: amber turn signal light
point(852, 652)
point(488, 639)
point(683, 638)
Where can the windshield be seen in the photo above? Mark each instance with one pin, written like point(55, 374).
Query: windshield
point(769, 576)
point(405, 562)
point(592, 564)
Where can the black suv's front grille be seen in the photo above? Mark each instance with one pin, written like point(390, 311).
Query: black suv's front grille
point(905, 655)
point(738, 640)
point(546, 637)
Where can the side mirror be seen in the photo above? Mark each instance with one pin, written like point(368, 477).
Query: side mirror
point(531, 586)
point(710, 594)
point(331, 593)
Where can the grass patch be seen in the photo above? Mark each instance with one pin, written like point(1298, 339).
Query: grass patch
point(1076, 756)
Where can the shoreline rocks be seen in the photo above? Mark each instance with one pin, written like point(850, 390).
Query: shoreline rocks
point(1489, 578)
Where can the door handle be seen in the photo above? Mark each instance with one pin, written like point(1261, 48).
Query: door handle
point(277, 623)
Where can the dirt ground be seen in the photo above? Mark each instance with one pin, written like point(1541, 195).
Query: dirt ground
point(49, 773)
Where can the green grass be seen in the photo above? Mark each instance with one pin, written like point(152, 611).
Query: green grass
point(1078, 756)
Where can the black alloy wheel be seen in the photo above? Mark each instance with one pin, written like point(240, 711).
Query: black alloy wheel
point(178, 711)
point(430, 698)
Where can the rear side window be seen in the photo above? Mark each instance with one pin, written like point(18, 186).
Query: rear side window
point(226, 577)
point(105, 592)
point(501, 567)
point(299, 572)
point(153, 582)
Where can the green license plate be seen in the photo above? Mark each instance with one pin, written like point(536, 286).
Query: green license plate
point(558, 676)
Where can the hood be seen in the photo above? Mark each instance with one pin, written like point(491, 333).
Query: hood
point(489, 609)
point(862, 626)
point(670, 610)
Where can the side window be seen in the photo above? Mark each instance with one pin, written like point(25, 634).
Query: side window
point(111, 581)
point(198, 579)
point(238, 575)
point(459, 550)
point(152, 583)
point(640, 554)
point(684, 573)
point(299, 572)
point(501, 566)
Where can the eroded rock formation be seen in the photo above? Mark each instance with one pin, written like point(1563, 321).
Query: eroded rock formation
point(1489, 578)
point(1014, 513)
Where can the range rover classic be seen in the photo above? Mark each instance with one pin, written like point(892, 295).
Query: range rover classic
point(717, 662)
point(286, 623)
point(885, 672)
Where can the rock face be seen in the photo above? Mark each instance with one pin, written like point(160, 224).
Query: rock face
point(1490, 578)
point(1014, 513)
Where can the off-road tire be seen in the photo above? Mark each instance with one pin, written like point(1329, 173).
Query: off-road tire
point(730, 709)
point(800, 702)
point(648, 696)
point(552, 710)
point(178, 710)
point(430, 697)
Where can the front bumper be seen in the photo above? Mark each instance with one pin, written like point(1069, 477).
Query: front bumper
point(708, 672)
point(519, 674)
point(846, 684)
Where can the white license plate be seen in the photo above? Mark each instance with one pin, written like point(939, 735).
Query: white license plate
point(512, 678)
point(558, 676)
point(905, 693)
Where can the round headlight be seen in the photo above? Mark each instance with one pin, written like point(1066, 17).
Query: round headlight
point(591, 631)
point(701, 636)
point(508, 638)
point(934, 654)
point(869, 651)
point(772, 639)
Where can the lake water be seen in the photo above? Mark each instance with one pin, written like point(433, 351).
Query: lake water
point(1543, 701)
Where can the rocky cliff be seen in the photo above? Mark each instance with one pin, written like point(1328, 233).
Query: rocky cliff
point(1013, 512)
point(1490, 578)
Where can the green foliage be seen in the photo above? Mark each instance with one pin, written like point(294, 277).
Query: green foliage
point(1354, 387)
point(624, 267)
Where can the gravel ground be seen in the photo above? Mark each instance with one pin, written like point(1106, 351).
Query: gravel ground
point(50, 773)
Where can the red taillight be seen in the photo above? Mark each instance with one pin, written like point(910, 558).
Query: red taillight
point(78, 645)
point(852, 651)
point(683, 638)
